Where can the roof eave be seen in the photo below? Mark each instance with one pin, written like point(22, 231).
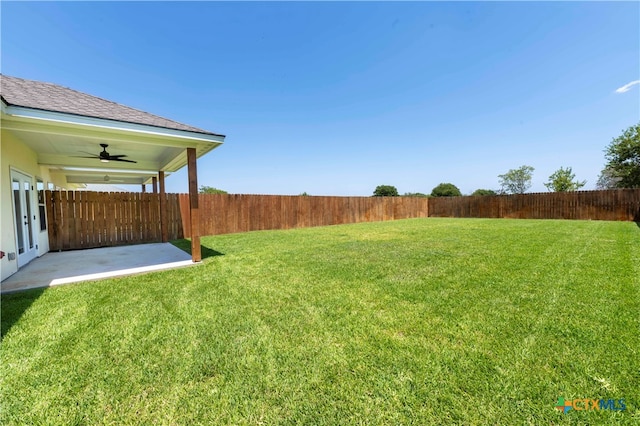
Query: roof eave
point(38, 121)
point(106, 124)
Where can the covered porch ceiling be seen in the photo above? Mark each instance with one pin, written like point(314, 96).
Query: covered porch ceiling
point(61, 140)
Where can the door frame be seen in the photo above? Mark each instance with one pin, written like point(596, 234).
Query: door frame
point(28, 230)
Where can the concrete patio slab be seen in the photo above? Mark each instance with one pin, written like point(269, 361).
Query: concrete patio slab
point(56, 268)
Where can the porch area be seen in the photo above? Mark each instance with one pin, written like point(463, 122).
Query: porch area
point(56, 140)
point(57, 268)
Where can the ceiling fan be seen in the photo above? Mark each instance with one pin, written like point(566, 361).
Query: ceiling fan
point(105, 157)
point(108, 178)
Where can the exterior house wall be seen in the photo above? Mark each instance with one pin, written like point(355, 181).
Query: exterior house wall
point(15, 155)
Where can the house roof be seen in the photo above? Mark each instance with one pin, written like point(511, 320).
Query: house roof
point(67, 129)
point(52, 97)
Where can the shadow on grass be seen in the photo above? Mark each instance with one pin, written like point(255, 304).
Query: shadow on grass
point(14, 305)
point(185, 245)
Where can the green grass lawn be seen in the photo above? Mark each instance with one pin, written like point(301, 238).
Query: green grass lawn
point(421, 321)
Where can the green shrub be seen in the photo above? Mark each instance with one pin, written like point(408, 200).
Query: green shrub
point(446, 190)
point(385, 191)
point(204, 189)
point(484, 192)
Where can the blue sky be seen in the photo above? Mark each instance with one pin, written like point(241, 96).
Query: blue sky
point(336, 98)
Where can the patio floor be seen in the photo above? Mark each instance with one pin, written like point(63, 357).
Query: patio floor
point(57, 268)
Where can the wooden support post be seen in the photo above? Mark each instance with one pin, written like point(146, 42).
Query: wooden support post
point(154, 184)
point(163, 213)
point(194, 213)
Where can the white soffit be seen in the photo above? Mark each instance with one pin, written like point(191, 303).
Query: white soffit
point(59, 139)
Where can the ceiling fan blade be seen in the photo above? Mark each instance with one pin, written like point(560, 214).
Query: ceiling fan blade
point(105, 156)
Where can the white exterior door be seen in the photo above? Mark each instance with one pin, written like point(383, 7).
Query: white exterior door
point(24, 217)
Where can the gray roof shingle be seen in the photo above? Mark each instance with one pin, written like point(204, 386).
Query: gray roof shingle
point(51, 97)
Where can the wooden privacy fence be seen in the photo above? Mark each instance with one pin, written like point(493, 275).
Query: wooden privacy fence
point(222, 213)
point(619, 204)
point(85, 219)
